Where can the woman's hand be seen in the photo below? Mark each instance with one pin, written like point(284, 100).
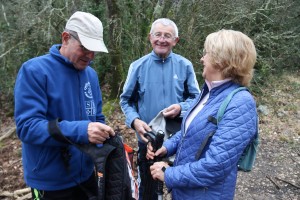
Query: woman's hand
point(158, 170)
point(160, 152)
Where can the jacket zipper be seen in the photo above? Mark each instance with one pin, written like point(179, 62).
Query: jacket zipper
point(80, 118)
point(183, 136)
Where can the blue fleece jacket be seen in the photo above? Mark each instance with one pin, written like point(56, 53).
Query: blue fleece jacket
point(49, 87)
point(154, 83)
point(214, 175)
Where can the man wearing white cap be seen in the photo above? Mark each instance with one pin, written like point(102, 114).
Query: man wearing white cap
point(62, 87)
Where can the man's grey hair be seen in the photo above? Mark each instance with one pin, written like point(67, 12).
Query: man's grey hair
point(165, 22)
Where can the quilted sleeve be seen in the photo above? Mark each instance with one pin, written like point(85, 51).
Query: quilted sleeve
point(172, 143)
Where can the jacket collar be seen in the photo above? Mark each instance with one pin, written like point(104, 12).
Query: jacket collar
point(216, 88)
point(54, 51)
point(157, 58)
point(213, 92)
point(214, 84)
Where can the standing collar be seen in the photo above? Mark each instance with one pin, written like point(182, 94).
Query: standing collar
point(156, 57)
point(214, 84)
point(54, 51)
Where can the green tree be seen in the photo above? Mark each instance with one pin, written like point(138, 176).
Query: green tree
point(115, 30)
point(29, 28)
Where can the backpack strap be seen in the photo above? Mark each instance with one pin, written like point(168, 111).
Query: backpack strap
point(226, 102)
point(55, 132)
point(216, 121)
point(110, 163)
point(198, 154)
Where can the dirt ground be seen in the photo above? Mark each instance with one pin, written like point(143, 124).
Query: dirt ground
point(276, 174)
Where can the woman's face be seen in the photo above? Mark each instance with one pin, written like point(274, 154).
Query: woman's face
point(210, 73)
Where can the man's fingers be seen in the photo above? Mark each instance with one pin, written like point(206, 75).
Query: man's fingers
point(98, 132)
point(143, 138)
point(111, 132)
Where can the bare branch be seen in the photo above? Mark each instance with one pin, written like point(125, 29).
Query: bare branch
point(2, 55)
point(4, 14)
point(21, 194)
point(8, 133)
point(292, 184)
point(274, 182)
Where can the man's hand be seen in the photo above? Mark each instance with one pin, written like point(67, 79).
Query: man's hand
point(98, 132)
point(141, 128)
point(172, 111)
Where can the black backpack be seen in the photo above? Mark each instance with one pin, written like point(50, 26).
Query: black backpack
point(110, 163)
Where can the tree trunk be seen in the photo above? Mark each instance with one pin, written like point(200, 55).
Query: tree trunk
point(115, 81)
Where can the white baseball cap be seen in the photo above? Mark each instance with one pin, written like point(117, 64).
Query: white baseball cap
point(89, 29)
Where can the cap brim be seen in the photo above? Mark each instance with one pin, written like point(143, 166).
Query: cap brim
point(93, 44)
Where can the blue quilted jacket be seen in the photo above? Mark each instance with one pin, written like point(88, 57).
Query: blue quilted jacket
point(214, 175)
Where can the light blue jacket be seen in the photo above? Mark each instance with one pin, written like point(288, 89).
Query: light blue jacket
point(49, 87)
point(154, 84)
point(214, 175)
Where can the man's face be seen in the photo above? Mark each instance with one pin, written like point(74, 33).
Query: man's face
point(163, 39)
point(75, 52)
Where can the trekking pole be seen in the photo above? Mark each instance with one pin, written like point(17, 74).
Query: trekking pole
point(156, 142)
point(159, 141)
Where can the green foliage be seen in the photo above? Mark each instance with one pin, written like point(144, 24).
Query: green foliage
point(110, 106)
point(29, 28)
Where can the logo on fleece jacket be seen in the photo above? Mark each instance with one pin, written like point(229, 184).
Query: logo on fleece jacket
point(89, 101)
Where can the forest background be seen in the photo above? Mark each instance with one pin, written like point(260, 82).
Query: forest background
point(29, 27)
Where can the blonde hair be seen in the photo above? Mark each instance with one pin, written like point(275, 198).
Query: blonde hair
point(233, 53)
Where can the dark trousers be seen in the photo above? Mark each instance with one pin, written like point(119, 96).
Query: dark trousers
point(144, 173)
point(85, 191)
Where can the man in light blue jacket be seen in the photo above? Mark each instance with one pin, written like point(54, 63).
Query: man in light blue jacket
point(160, 80)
